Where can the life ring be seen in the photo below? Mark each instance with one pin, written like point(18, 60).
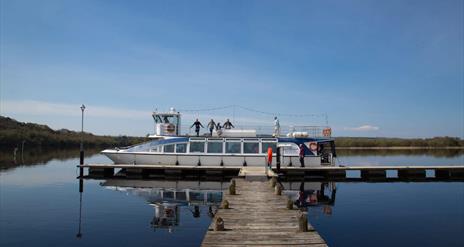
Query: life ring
point(170, 128)
point(269, 155)
point(327, 132)
point(313, 146)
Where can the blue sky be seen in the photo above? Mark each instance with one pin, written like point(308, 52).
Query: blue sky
point(377, 68)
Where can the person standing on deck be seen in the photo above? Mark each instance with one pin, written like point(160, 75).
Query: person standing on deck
point(211, 125)
point(228, 125)
point(301, 155)
point(276, 127)
point(197, 125)
point(218, 129)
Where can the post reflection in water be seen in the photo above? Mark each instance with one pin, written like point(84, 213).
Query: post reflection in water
point(313, 194)
point(81, 190)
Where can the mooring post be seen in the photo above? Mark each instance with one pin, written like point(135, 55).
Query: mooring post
point(232, 187)
point(278, 189)
point(225, 204)
point(278, 160)
point(303, 222)
point(218, 224)
point(273, 182)
point(289, 203)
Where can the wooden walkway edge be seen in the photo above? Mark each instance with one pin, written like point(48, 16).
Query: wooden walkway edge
point(259, 217)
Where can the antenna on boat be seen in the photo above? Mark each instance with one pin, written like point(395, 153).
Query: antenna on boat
point(233, 114)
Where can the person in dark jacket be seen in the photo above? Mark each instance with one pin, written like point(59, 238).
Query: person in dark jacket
point(301, 155)
point(228, 125)
point(218, 129)
point(197, 125)
point(211, 125)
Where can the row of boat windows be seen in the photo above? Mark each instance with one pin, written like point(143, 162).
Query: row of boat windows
point(218, 147)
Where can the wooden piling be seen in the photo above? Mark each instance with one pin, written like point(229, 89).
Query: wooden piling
point(232, 188)
point(225, 204)
point(373, 174)
point(278, 189)
point(303, 222)
point(219, 224)
point(289, 203)
point(259, 218)
point(273, 182)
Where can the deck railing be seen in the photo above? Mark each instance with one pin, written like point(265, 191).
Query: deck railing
point(312, 131)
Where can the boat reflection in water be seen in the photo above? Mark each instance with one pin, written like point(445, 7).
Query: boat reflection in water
point(166, 197)
point(317, 195)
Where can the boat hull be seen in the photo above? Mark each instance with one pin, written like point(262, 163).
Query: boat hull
point(205, 160)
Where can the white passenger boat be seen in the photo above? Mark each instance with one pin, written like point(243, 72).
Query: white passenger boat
point(228, 147)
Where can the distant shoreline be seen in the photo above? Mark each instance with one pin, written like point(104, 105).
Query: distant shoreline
point(14, 134)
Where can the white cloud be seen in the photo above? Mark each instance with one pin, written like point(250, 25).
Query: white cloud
point(366, 127)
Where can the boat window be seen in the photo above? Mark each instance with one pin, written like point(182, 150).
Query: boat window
point(155, 149)
point(197, 147)
point(291, 149)
point(251, 147)
point(181, 147)
point(233, 147)
point(214, 147)
point(169, 148)
point(266, 145)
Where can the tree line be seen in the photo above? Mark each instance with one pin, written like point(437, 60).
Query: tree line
point(445, 141)
point(13, 133)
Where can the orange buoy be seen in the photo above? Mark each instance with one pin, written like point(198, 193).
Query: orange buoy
point(269, 155)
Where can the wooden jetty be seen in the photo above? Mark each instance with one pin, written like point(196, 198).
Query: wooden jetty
point(337, 173)
point(158, 171)
point(257, 216)
point(376, 172)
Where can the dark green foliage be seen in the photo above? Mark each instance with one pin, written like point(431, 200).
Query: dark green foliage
point(398, 142)
point(13, 133)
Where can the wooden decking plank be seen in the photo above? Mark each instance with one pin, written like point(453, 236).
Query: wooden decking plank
point(258, 217)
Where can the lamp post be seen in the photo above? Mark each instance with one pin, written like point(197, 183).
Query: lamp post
point(81, 171)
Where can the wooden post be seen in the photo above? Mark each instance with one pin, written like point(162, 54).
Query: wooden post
point(232, 188)
point(218, 224)
point(439, 173)
point(303, 222)
point(278, 189)
point(273, 182)
point(225, 204)
point(289, 203)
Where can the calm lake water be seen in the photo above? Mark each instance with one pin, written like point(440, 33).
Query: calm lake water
point(40, 205)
